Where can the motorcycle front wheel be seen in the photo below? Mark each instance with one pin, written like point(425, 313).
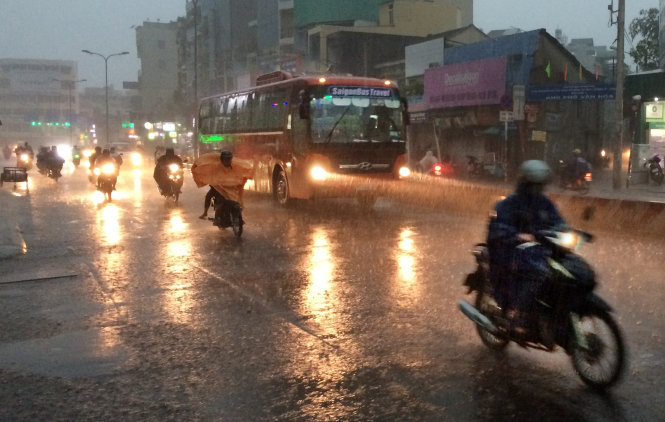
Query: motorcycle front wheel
point(600, 362)
point(236, 224)
point(486, 304)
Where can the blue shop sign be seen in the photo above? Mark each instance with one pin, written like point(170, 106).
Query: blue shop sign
point(579, 92)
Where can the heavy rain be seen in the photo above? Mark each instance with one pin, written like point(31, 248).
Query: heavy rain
point(298, 210)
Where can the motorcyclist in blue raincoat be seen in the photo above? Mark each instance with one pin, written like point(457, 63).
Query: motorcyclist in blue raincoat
point(518, 273)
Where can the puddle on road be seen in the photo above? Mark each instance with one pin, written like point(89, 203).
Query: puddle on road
point(77, 354)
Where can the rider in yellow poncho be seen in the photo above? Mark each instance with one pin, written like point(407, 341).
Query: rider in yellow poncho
point(227, 175)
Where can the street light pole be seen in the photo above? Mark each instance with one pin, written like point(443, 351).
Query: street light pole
point(196, 82)
point(106, 83)
point(618, 110)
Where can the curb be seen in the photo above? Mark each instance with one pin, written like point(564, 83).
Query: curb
point(630, 216)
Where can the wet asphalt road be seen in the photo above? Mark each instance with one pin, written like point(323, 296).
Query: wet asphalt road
point(137, 310)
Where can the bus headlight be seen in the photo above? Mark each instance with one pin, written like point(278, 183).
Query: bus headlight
point(318, 173)
point(404, 172)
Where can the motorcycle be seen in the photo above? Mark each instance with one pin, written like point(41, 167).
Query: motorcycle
point(25, 160)
point(76, 159)
point(569, 314)
point(655, 170)
point(174, 184)
point(227, 214)
point(581, 183)
point(442, 169)
point(106, 178)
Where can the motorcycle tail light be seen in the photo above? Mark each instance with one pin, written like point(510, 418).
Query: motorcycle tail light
point(587, 177)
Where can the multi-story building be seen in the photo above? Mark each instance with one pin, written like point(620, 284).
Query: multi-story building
point(38, 101)
point(230, 42)
point(215, 40)
point(158, 78)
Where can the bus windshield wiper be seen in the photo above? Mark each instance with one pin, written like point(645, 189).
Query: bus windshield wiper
point(329, 137)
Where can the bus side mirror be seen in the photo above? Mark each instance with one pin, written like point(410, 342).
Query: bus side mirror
point(405, 112)
point(303, 106)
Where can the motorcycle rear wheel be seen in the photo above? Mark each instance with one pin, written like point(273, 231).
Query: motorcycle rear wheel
point(601, 364)
point(486, 304)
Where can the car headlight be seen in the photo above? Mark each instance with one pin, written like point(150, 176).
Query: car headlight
point(318, 173)
point(404, 172)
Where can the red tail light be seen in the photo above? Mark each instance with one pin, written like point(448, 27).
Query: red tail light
point(587, 177)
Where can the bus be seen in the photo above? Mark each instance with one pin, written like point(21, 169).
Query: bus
point(312, 136)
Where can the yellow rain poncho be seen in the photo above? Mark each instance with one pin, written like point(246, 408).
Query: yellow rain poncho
point(208, 170)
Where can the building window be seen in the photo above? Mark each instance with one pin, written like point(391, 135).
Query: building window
point(391, 14)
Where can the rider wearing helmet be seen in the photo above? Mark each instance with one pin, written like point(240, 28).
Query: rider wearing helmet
point(161, 167)
point(518, 273)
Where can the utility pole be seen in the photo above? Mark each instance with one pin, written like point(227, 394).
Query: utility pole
point(618, 141)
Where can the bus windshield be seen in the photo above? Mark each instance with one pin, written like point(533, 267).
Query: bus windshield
point(356, 115)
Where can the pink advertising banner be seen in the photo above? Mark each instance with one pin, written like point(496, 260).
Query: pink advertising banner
point(479, 82)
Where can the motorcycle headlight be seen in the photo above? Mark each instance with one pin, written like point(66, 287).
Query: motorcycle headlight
point(404, 172)
point(568, 240)
point(24, 157)
point(174, 168)
point(136, 158)
point(108, 168)
point(318, 173)
point(97, 171)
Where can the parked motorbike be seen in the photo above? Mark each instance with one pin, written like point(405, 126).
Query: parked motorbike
point(227, 214)
point(106, 177)
point(173, 186)
point(569, 314)
point(476, 168)
point(655, 170)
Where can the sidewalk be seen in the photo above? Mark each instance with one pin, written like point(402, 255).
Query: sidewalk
point(11, 240)
point(602, 187)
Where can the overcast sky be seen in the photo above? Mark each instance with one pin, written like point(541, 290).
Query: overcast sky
point(60, 29)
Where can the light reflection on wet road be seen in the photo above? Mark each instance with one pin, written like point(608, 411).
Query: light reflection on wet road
point(328, 312)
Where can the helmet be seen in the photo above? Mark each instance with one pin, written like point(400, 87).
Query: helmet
point(535, 171)
point(169, 151)
point(225, 155)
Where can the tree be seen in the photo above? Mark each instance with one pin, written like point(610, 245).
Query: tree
point(645, 27)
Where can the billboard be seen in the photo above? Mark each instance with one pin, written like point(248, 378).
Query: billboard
point(421, 56)
point(478, 82)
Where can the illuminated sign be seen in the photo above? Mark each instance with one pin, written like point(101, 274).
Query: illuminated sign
point(360, 91)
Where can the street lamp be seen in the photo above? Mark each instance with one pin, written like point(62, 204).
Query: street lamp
point(106, 83)
point(70, 86)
